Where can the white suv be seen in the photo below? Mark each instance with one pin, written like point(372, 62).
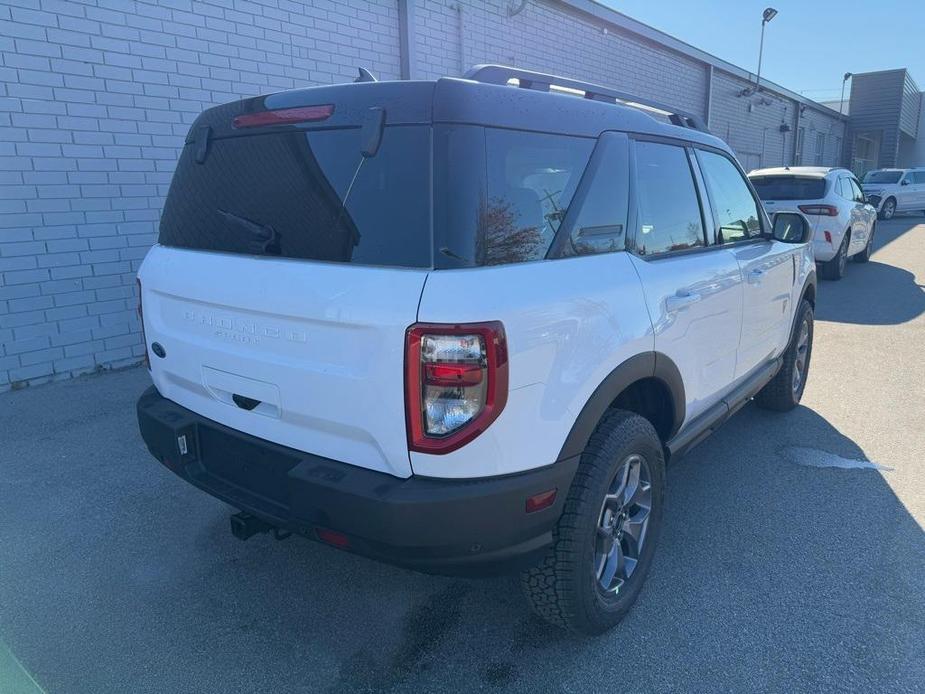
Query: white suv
point(842, 220)
point(461, 326)
point(896, 190)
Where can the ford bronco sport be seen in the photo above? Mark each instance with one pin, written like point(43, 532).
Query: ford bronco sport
point(461, 325)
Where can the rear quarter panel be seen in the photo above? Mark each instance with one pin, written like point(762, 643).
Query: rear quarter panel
point(568, 323)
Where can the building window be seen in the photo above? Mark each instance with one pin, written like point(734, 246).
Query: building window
point(820, 148)
point(801, 134)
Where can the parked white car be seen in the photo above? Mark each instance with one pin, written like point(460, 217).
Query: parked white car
point(843, 221)
point(895, 190)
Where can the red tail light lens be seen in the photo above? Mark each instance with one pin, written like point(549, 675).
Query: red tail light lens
point(303, 114)
point(141, 319)
point(828, 237)
point(820, 210)
point(456, 383)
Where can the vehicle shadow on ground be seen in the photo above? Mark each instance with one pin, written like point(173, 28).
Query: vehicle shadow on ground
point(851, 300)
point(782, 568)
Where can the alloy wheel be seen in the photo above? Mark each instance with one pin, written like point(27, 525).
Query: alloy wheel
point(622, 525)
point(889, 207)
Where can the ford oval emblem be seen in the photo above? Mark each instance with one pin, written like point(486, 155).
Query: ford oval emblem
point(158, 349)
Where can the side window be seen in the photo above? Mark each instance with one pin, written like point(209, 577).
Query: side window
point(531, 178)
point(668, 208)
point(840, 188)
point(735, 207)
point(599, 225)
point(918, 176)
point(857, 193)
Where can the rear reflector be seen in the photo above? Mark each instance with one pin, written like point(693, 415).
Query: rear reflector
point(820, 210)
point(828, 237)
point(538, 502)
point(332, 537)
point(303, 114)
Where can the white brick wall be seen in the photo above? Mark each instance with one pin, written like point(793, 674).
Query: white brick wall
point(96, 97)
point(95, 100)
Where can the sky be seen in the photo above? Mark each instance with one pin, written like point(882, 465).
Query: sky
point(808, 46)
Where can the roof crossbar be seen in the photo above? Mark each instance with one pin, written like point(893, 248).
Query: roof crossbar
point(527, 79)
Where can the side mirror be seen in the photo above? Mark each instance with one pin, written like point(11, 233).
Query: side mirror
point(904, 182)
point(790, 227)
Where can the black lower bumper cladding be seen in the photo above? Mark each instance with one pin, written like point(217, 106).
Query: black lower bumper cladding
point(443, 526)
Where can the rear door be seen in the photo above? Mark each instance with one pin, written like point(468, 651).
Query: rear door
point(288, 268)
point(693, 290)
point(768, 266)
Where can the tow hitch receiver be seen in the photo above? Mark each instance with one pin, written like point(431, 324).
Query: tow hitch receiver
point(244, 525)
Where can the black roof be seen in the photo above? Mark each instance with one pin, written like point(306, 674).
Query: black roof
point(455, 100)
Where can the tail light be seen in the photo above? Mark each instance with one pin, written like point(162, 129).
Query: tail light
point(284, 116)
point(828, 237)
point(141, 319)
point(456, 382)
point(820, 210)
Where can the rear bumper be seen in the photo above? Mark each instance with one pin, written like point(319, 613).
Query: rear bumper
point(441, 526)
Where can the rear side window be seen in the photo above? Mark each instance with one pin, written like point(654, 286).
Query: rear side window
point(735, 207)
point(918, 177)
point(308, 195)
point(789, 188)
point(501, 195)
point(668, 208)
point(531, 180)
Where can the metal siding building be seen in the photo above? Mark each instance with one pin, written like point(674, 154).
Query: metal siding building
point(96, 97)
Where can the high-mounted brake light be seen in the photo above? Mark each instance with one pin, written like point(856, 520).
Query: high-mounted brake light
point(456, 383)
point(141, 319)
point(302, 114)
point(820, 210)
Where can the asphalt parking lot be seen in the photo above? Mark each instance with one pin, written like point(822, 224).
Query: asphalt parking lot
point(792, 557)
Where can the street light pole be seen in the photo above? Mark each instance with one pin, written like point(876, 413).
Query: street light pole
point(841, 103)
point(766, 17)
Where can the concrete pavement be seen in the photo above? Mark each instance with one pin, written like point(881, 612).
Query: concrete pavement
point(775, 571)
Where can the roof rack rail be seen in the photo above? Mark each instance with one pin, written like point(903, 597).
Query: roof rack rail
point(527, 79)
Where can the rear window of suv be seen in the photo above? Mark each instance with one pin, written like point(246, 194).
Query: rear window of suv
point(789, 188)
point(308, 195)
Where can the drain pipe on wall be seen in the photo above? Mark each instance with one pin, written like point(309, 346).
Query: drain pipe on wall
point(461, 37)
point(406, 31)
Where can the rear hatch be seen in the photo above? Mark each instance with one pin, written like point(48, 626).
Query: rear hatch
point(788, 193)
point(293, 249)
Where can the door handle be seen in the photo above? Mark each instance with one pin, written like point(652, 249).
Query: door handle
point(681, 300)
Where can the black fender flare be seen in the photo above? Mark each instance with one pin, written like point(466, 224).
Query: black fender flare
point(640, 366)
point(810, 283)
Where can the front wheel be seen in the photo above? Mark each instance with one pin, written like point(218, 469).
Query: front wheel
point(605, 539)
point(783, 392)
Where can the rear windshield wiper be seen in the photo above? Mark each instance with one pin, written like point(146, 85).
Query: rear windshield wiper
point(262, 239)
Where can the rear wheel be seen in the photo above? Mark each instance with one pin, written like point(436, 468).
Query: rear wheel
point(784, 391)
point(864, 255)
point(888, 209)
point(835, 268)
point(605, 539)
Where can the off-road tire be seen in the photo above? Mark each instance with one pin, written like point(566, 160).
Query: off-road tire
point(563, 588)
point(779, 394)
